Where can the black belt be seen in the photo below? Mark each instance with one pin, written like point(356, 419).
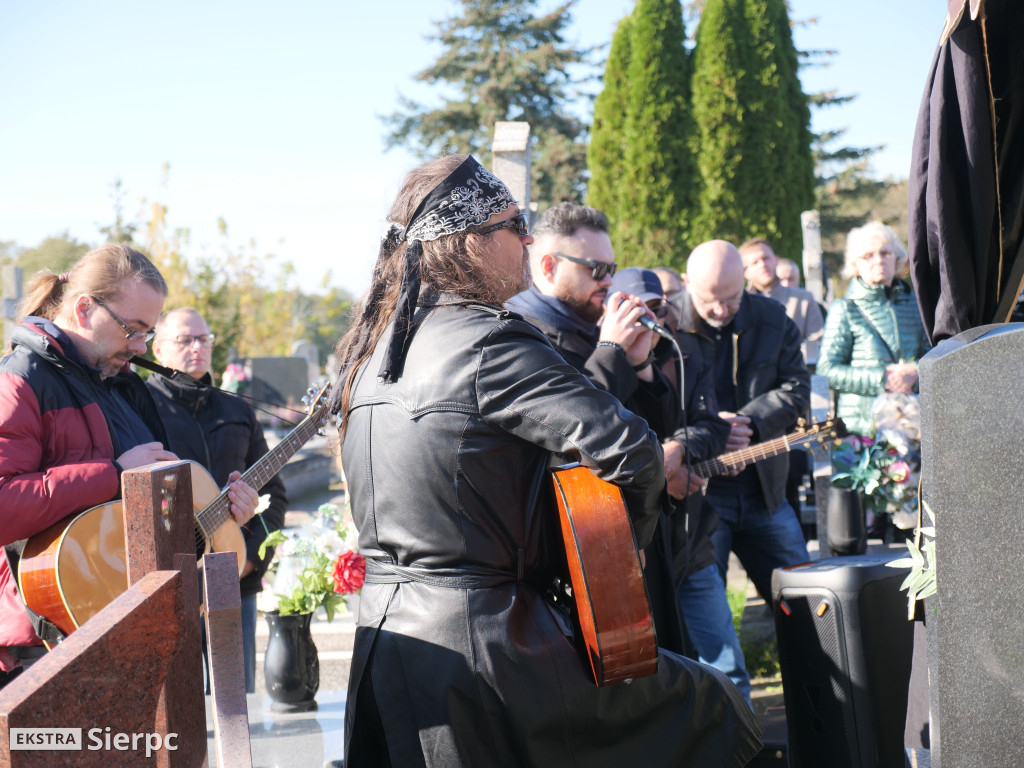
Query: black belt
point(382, 572)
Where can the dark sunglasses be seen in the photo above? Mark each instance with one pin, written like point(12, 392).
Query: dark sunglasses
point(659, 307)
point(597, 268)
point(518, 223)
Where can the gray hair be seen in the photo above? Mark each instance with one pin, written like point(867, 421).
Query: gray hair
point(857, 243)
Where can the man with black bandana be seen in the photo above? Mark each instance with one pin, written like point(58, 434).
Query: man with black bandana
point(453, 410)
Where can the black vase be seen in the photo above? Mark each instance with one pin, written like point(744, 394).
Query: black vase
point(291, 667)
point(846, 532)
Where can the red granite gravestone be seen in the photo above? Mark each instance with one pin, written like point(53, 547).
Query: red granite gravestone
point(109, 678)
point(160, 534)
point(104, 680)
point(227, 675)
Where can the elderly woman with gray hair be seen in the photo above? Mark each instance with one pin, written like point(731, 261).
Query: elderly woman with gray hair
point(873, 335)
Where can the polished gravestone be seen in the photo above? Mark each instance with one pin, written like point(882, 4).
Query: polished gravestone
point(301, 740)
point(972, 389)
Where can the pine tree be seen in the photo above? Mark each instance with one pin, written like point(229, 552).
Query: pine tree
point(606, 153)
point(753, 135)
point(656, 185)
point(503, 63)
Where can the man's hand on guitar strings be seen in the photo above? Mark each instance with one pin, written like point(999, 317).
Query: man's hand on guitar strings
point(243, 498)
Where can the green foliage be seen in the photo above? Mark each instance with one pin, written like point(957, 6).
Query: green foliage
point(58, 254)
point(314, 587)
point(502, 62)
point(760, 654)
point(753, 138)
point(657, 179)
point(606, 153)
point(920, 582)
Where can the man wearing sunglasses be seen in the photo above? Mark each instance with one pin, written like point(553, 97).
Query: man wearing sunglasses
point(219, 431)
point(572, 263)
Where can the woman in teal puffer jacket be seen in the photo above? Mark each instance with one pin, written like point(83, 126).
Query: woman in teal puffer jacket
point(873, 335)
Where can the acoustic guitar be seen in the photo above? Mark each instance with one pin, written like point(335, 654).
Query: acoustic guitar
point(612, 607)
point(77, 566)
point(613, 610)
point(830, 429)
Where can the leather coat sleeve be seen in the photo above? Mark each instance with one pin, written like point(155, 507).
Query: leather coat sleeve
point(836, 357)
point(32, 496)
point(654, 401)
point(526, 389)
point(777, 410)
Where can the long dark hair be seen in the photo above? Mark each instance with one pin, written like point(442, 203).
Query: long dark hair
point(455, 263)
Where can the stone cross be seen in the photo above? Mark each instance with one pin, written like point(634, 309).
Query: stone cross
point(511, 160)
point(814, 272)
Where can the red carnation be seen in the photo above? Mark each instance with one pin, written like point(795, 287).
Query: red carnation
point(349, 572)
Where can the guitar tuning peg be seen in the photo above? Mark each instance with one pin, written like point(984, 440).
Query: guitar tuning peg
point(837, 442)
point(801, 422)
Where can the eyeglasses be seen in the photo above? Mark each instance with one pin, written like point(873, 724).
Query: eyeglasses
point(131, 334)
point(659, 307)
point(598, 269)
point(518, 223)
point(202, 339)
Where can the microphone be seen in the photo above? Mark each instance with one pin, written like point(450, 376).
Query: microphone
point(652, 325)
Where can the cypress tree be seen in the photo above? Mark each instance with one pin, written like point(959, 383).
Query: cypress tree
point(719, 113)
point(656, 185)
point(782, 142)
point(606, 153)
point(753, 134)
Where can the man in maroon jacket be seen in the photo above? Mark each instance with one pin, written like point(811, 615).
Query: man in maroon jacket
point(72, 415)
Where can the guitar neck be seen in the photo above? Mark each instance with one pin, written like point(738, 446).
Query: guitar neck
point(734, 460)
point(219, 510)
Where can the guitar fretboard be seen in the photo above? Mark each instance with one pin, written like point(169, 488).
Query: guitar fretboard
point(735, 460)
point(218, 511)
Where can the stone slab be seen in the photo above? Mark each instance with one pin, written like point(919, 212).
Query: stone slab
point(82, 682)
point(972, 465)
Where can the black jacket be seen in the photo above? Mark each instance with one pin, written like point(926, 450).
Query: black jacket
point(772, 383)
point(656, 403)
point(703, 436)
point(448, 474)
point(220, 432)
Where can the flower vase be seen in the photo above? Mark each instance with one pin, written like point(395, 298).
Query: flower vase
point(291, 667)
point(847, 534)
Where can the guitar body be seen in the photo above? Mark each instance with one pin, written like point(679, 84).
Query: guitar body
point(607, 578)
point(77, 566)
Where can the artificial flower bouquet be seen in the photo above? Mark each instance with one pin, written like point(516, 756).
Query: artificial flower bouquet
point(885, 468)
point(318, 564)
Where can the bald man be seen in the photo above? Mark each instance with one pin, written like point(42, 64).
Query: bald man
point(761, 387)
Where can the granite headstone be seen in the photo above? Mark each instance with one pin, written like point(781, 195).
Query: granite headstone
point(971, 427)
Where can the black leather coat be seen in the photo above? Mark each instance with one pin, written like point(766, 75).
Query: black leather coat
point(220, 431)
point(771, 380)
point(448, 475)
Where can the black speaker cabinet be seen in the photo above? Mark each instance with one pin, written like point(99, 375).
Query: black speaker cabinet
point(845, 648)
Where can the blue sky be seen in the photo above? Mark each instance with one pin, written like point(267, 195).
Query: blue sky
point(266, 112)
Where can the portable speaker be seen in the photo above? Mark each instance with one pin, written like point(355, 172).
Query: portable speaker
point(845, 649)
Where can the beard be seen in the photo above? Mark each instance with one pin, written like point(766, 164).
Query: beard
point(582, 307)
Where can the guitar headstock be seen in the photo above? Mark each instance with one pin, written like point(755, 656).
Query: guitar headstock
point(316, 398)
point(822, 431)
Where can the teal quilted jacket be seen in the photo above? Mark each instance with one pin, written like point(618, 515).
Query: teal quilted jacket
point(865, 331)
